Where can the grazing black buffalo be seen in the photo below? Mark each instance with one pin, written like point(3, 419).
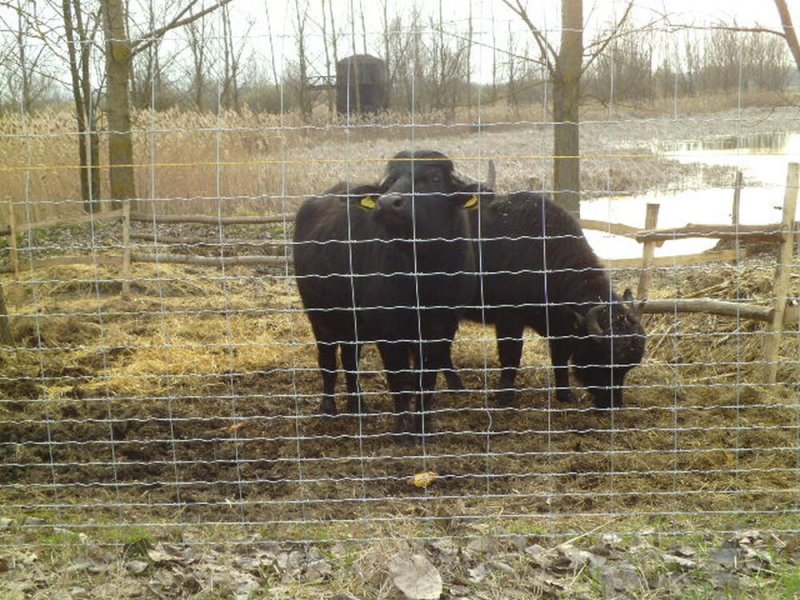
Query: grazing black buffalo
point(390, 264)
point(538, 270)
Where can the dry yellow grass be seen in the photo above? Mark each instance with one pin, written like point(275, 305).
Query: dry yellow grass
point(211, 381)
point(252, 163)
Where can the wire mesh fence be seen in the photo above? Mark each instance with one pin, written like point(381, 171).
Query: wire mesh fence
point(162, 371)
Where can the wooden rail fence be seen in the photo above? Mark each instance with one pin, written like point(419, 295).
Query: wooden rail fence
point(781, 313)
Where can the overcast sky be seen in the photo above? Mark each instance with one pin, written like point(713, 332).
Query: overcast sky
point(494, 25)
point(493, 22)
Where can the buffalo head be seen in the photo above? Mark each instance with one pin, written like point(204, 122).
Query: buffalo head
point(613, 343)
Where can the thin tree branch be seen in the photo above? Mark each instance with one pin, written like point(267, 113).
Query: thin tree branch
point(147, 40)
point(757, 29)
point(547, 51)
point(604, 44)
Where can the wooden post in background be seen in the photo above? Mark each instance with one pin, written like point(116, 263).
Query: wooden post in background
point(737, 199)
point(5, 322)
point(126, 248)
point(736, 210)
point(13, 255)
point(650, 222)
point(782, 273)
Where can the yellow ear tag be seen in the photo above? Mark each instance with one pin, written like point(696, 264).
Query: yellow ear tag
point(472, 203)
point(368, 202)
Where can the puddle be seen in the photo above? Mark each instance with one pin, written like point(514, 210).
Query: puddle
point(763, 158)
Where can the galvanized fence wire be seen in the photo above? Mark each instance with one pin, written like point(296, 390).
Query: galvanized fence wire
point(196, 400)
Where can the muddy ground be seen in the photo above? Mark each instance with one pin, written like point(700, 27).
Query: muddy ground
point(196, 400)
point(187, 415)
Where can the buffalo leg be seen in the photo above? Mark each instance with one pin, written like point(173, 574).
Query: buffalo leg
point(326, 359)
point(351, 353)
point(560, 352)
point(395, 358)
point(509, 349)
point(451, 376)
point(435, 357)
point(448, 369)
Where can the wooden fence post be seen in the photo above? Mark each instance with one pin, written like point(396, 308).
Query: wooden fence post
point(737, 199)
point(782, 273)
point(5, 322)
point(126, 248)
point(13, 255)
point(650, 222)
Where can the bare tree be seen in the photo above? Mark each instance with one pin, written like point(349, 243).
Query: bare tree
point(198, 38)
point(146, 73)
point(120, 51)
point(565, 68)
point(329, 91)
point(80, 36)
point(232, 61)
point(275, 78)
point(25, 81)
point(334, 34)
point(363, 28)
point(303, 95)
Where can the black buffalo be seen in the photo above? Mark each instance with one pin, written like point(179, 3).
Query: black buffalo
point(390, 264)
point(538, 270)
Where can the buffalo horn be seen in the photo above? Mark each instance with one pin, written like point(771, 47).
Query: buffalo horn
point(630, 301)
point(592, 326)
point(491, 176)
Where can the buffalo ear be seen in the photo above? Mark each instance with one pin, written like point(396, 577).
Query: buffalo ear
point(630, 301)
point(473, 194)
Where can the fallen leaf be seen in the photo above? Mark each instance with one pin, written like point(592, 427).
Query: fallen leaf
point(482, 544)
point(727, 558)
point(684, 551)
point(415, 576)
point(478, 574)
point(679, 561)
point(423, 480)
point(318, 570)
point(137, 566)
point(623, 578)
point(611, 540)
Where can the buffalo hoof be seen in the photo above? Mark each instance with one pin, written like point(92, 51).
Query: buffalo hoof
point(505, 398)
point(404, 433)
point(357, 406)
point(327, 407)
point(454, 383)
point(426, 430)
point(566, 396)
point(606, 403)
point(406, 439)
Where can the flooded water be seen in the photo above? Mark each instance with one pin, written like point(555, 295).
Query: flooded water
point(763, 160)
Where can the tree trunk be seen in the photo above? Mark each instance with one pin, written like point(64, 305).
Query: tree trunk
point(789, 33)
point(328, 87)
point(22, 32)
point(89, 103)
point(566, 96)
point(89, 192)
point(118, 68)
point(303, 96)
